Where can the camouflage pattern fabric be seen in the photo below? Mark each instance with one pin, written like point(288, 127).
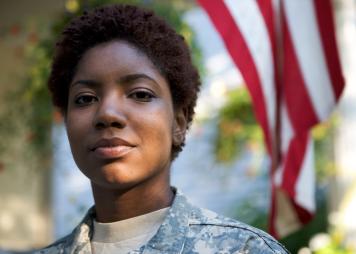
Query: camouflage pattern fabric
point(187, 229)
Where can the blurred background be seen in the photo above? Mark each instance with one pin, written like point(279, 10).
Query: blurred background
point(224, 166)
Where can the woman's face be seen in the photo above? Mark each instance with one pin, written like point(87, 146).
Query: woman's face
point(120, 118)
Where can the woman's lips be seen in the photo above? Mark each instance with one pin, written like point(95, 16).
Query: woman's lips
point(113, 152)
point(112, 148)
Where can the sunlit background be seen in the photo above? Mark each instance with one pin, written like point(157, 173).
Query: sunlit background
point(223, 166)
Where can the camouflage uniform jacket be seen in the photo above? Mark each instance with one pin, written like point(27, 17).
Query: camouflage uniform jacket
point(186, 229)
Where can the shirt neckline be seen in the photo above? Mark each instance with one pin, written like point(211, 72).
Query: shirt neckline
point(130, 228)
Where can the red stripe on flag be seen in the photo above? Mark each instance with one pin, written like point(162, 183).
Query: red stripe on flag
point(299, 106)
point(293, 162)
point(325, 19)
point(240, 54)
point(266, 9)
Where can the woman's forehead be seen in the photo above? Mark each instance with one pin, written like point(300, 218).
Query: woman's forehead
point(120, 55)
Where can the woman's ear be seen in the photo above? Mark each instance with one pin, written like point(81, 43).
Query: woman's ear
point(180, 126)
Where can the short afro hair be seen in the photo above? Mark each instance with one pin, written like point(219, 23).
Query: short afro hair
point(150, 34)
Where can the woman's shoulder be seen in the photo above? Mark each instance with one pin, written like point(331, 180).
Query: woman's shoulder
point(60, 246)
point(210, 232)
point(78, 241)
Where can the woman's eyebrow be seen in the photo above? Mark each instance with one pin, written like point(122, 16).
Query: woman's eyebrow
point(132, 77)
point(123, 80)
point(87, 82)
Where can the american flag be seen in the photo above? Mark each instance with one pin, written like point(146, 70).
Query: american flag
point(287, 54)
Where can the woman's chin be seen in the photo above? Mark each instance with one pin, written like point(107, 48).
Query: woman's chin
point(113, 184)
point(113, 177)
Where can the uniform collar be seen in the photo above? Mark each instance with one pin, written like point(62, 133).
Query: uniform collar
point(82, 234)
point(169, 238)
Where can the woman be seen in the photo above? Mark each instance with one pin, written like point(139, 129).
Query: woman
point(127, 88)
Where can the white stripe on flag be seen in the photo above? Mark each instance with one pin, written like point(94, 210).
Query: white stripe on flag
point(253, 28)
point(301, 20)
point(286, 132)
point(305, 185)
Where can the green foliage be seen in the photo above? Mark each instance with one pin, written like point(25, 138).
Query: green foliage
point(334, 248)
point(237, 127)
point(323, 136)
point(36, 99)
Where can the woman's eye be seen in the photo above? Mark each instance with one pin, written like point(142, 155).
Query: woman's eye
point(85, 100)
point(143, 96)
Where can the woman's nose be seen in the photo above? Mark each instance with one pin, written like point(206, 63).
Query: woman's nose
point(110, 113)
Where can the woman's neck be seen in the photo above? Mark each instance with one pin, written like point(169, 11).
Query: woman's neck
point(114, 205)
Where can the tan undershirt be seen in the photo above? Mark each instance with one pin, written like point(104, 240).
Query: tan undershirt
point(120, 237)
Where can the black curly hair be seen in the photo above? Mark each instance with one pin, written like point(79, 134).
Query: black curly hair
point(142, 28)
